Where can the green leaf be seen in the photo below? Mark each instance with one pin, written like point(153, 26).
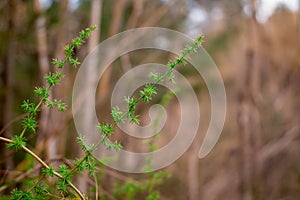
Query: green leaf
point(117, 115)
point(55, 61)
point(130, 189)
point(74, 62)
point(53, 78)
point(106, 129)
point(199, 40)
point(131, 104)
point(18, 143)
point(30, 123)
point(80, 164)
point(40, 190)
point(147, 93)
point(85, 147)
point(91, 164)
point(26, 105)
point(65, 172)
point(69, 50)
point(77, 42)
point(48, 171)
point(16, 194)
point(50, 104)
point(81, 142)
point(59, 63)
point(85, 33)
point(61, 106)
point(153, 196)
point(152, 147)
point(156, 77)
point(160, 175)
point(62, 186)
point(94, 27)
point(29, 107)
point(179, 60)
point(171, 76)
point(21, 194)
point(90, 148)
point(187, 50)
point(107, 143)
point(42, 92)
point(134, 118)
point(118, 145)
point(171, 64)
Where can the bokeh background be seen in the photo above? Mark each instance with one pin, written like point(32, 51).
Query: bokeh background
point(256, 46)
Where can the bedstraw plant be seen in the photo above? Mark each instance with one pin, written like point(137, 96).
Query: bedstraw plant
point(63, 175)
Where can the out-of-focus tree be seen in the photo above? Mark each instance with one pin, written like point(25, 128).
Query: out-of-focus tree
point(7, 71)
point(95, 19)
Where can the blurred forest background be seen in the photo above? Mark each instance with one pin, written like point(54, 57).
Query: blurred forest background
point(256, 50)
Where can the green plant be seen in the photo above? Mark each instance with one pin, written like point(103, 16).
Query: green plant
point(37, 188)
point(29, 124)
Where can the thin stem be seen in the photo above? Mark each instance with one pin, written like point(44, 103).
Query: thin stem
point(54, 196)
point(96, 186)
point(46, 166)
point(83, 159)
point(6, 140)
point(151, 185)
point(40, 103)
point(34, 155)
point(36, 108)
point(76, 166)
point(23, 131)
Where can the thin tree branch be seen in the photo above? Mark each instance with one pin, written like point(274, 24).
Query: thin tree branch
point(45, 165)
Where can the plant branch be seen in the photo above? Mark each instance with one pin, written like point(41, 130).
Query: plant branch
point(46, 166)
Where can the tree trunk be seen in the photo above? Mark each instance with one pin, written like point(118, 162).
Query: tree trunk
point(136, 13)
point(8, 79)
point(248, 117)
point(116, 23)
point(193, 173)
point(56, 143)
point(44, 67)
point(96, 10)
point(298, 29)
